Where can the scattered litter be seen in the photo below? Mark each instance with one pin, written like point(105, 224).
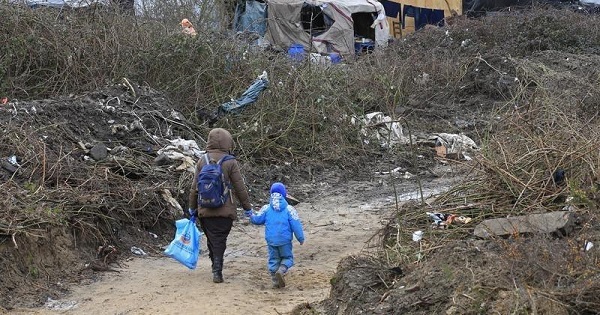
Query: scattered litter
point(187, 28)
point(587, 245)
point(453, 146)
point(57, 305)
point(13, 160)
point(177, 115)
point(138, 251)
point(387, 131)
point(417, 236)
point(153, 235)
point(422, 79)
point(325, 60)
point(10, 164)
point(442, 220)
point(4, 100)
point(394, 171)
point(184, 151)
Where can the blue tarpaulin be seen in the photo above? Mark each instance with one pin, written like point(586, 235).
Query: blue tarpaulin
point(248, 97)
point(253, 18)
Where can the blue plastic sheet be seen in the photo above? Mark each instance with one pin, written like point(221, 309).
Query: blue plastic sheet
point(253, 18)
point(185, 248)
point(248, 97)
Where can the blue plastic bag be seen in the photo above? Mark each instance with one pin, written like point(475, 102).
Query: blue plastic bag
point(185, 248)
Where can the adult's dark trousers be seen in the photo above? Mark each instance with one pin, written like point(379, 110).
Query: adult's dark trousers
point(216, 230)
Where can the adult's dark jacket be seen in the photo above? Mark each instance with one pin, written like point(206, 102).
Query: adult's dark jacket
point(219, 144)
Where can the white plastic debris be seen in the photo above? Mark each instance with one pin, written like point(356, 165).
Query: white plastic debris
point(138, 251)
point(417, 236)
point(187, 147)
point(57, 305)
point(176, 115)
point(13, 160)
point(455, 143)
point(588, 245)
point(382, 128)
point(184, 151)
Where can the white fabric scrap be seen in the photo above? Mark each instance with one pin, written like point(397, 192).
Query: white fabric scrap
point(455, 143)
point(183, 150)
point(382, 128)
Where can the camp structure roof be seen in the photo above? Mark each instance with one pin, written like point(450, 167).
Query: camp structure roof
point(326, 26)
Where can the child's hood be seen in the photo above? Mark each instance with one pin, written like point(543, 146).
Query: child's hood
point(278, 202)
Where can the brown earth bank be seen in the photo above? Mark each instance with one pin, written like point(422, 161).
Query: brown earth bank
point(82, 182)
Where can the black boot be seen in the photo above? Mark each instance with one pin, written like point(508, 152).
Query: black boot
point(217, 269)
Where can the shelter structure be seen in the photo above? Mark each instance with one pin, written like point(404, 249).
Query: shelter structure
point(327, 26)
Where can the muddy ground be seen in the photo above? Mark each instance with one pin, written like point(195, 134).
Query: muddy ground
point(339, 221)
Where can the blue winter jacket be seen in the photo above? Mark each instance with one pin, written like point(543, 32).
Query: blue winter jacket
point(280, 220)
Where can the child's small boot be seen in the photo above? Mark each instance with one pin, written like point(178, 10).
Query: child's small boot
point(279, 276)
point(274, 281)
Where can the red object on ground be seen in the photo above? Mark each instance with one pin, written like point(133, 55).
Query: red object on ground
point(4, 100)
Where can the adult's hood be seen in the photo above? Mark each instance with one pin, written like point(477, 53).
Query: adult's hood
point(220, 139)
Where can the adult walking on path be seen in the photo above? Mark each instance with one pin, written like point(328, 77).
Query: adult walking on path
point(216, 222)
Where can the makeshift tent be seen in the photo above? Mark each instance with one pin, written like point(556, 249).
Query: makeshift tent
point(326, 26)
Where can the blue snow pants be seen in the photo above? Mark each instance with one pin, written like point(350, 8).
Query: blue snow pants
point(280, 255)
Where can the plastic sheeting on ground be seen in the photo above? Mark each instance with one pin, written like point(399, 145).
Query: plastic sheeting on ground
point(455, 143)
point(381, 128)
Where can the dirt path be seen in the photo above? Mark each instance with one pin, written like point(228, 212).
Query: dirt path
point(335, 226)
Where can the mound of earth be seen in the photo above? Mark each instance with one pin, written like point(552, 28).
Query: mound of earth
point(81, 185)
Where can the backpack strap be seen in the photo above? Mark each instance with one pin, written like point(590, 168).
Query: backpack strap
point(226, 183)
point(206, 158)
point(226, 158)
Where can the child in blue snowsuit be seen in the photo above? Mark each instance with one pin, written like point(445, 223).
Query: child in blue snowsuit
point(281, 221)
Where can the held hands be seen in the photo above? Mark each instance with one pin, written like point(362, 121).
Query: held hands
point(248, 213)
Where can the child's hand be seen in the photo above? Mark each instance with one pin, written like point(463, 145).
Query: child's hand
point(248, 213)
